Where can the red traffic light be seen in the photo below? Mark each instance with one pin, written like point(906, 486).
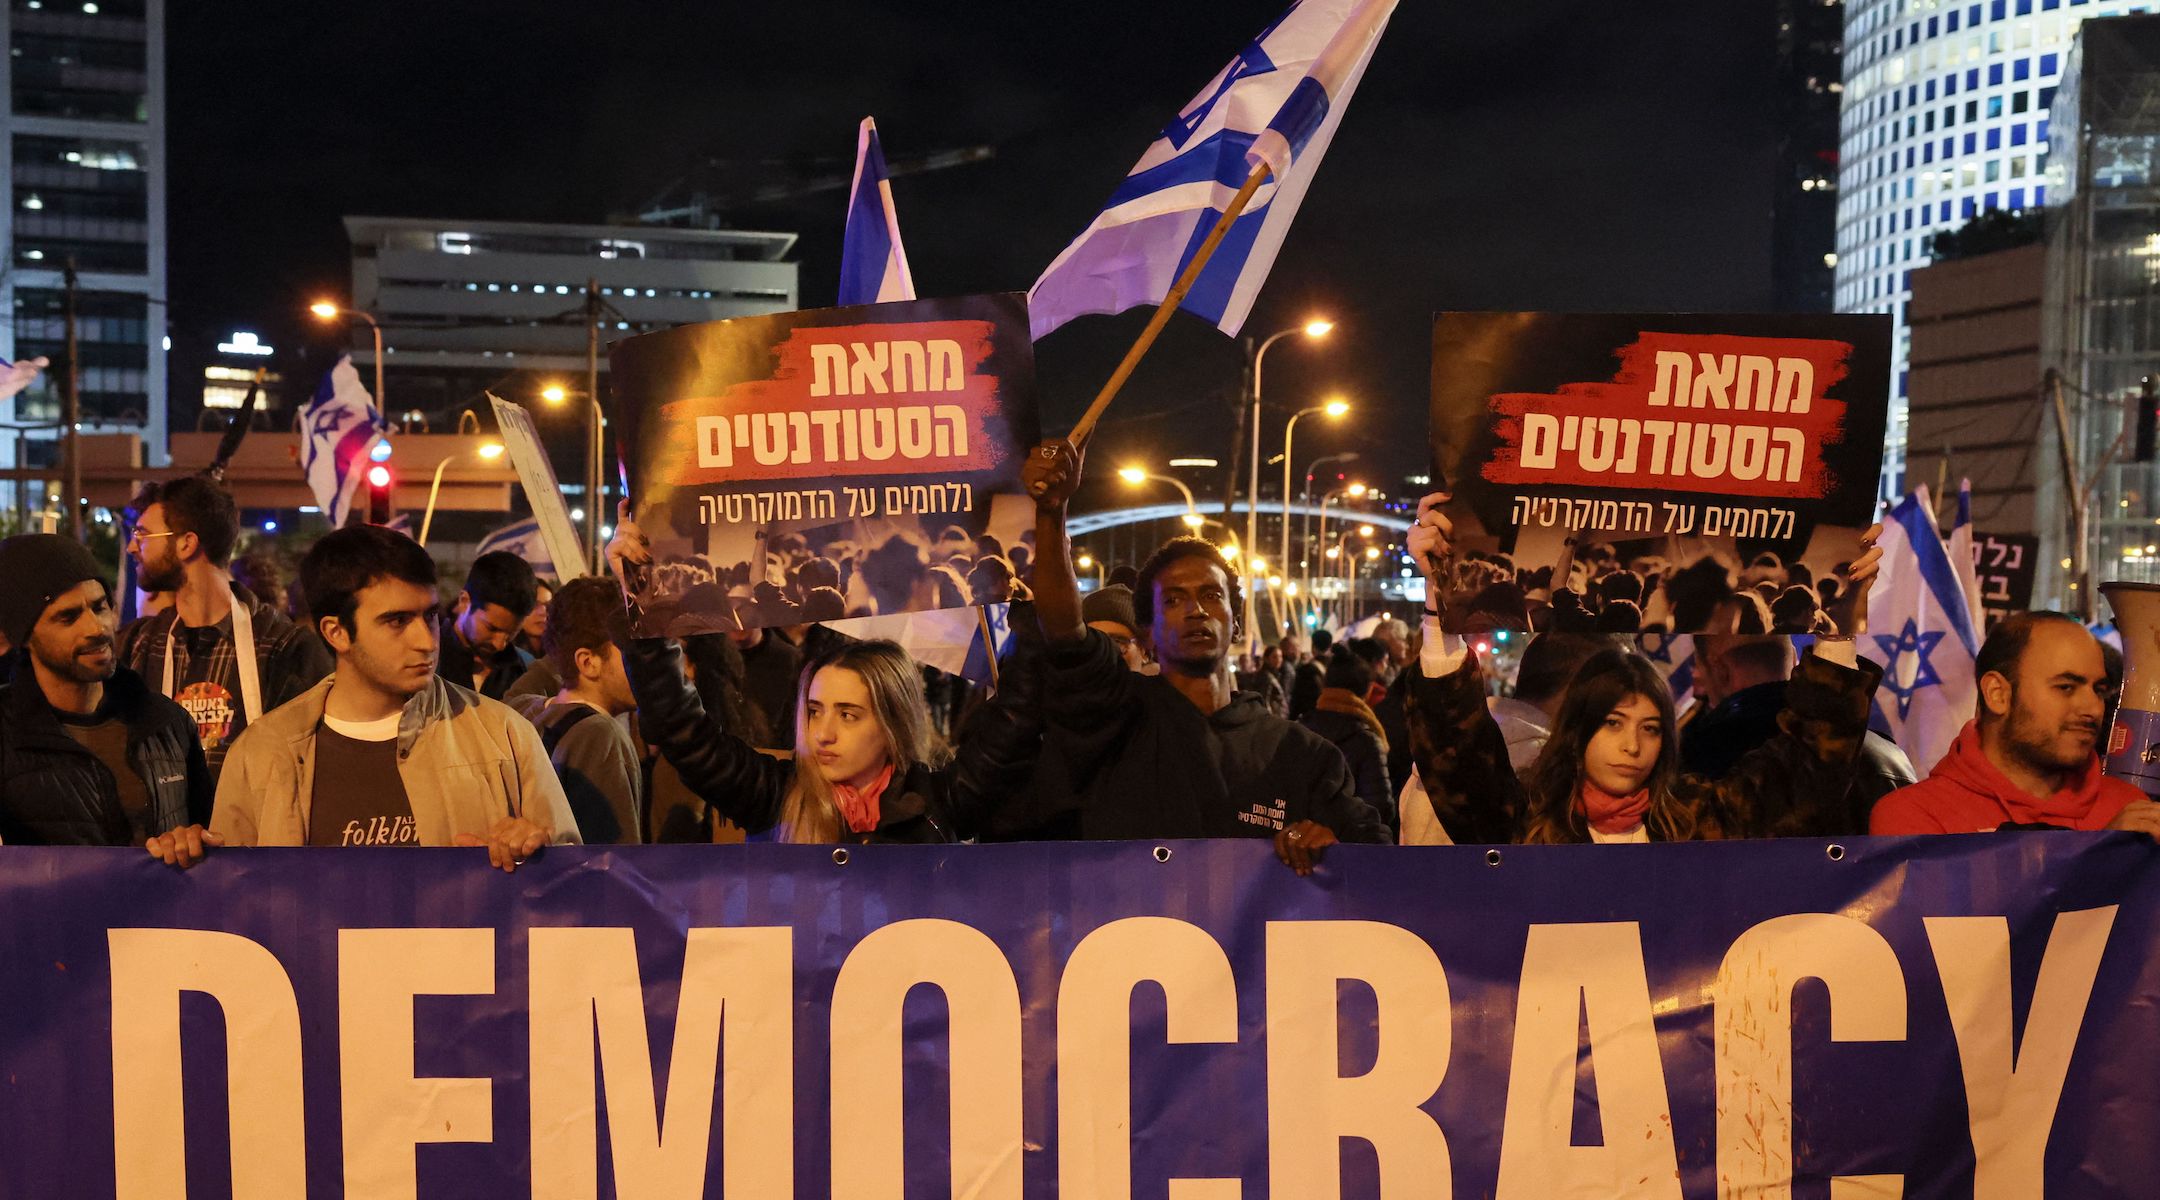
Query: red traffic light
point(380, 492)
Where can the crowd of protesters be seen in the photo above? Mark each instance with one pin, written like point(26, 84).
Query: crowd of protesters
point(367, 704)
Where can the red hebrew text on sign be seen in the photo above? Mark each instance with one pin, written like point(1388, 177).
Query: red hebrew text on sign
point(1715, 413)
point(897, 399)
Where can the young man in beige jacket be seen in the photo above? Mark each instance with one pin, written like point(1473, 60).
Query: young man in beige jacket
point(385, 752)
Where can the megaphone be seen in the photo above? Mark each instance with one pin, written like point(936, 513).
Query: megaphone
point(2133, 743)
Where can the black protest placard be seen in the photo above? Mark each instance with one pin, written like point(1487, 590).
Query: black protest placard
point(832, 462)
point(1671, 445)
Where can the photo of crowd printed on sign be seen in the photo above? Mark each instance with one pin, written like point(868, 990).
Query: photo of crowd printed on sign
point(841, 462)
point(1676, 472)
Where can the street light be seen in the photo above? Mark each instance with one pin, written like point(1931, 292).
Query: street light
point(1352, 490)
point(1136, 476)
point(1314, 329)
point(555, 393)
point(326, 311)
point(1086, 562)
point(489, 451)
point(1334, 409)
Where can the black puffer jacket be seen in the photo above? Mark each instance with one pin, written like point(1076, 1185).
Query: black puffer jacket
point(941, 804)
point(53, 792)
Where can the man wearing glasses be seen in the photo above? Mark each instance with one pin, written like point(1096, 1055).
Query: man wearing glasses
point(222, 653)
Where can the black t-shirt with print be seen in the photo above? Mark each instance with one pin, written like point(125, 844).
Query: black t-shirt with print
point(359, 797)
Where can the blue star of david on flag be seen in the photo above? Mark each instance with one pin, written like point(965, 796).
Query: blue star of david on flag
point(1907, 669)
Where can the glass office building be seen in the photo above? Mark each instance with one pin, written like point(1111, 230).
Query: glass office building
point(84, 151)
point(1945, 117)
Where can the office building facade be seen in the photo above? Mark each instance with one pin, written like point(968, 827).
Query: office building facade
point(468, 306)
point(1945, 117)
point(85, 153)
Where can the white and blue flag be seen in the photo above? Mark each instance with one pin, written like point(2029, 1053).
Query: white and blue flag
point(340, 428)
point(523, 539)
point(1920, 629)
point(1277, 103)
point(873, 264)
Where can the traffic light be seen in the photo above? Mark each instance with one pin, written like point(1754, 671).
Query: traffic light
point(380, 484)
point(2145, 423)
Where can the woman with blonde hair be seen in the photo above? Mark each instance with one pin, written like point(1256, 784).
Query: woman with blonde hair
point(867, 764)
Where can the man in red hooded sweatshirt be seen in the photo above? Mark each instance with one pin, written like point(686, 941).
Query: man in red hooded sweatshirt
point(2028, 760)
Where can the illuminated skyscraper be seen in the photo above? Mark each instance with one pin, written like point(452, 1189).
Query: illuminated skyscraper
point(1946, 117)
point(85, 152)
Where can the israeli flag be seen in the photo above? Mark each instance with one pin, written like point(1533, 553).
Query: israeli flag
point(341, 427)
point(873, 264)
point(1920, 629)
point(523, 539)
point(1277, 103)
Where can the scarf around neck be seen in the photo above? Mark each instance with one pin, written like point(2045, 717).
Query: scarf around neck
point(859, 806)
point(1610, 814)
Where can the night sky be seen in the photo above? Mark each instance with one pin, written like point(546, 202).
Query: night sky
point(1550, 154)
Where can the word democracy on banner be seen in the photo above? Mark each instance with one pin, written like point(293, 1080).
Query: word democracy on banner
point(686, 1021)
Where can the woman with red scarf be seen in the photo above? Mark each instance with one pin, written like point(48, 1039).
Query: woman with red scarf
point(1610, 770)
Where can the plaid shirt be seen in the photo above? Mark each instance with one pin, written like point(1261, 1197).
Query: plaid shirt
point(289, 660)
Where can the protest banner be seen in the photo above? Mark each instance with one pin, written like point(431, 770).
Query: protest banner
point(864, 435)
point(551, 516)
point(1668, 437)
point(2006, 565)
point(1920, 1016)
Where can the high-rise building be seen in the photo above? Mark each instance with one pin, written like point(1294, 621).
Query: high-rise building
point(1946, 117)
point(2099, 507)
point(1803, 226)
point(85, 152)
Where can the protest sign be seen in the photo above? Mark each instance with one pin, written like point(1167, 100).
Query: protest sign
point(1946, 1016)
point(874, 437)
point(2006, 565)
point(1669, 438)
point(551, 517)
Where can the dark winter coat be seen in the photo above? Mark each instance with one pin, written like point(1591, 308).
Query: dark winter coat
point(1804, 782)
point(1147, 763)
point(55, 792)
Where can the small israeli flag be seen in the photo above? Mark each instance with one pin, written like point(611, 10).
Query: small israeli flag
point(523, 539)
point(873, 264)
point(340, 427)
point(1920, 629)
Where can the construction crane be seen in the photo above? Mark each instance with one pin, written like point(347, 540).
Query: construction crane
point(703, 195)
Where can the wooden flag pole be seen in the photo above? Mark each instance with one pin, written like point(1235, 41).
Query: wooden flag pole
point(1170, 302)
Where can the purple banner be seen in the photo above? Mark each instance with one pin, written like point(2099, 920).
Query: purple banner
point(1952, 1016)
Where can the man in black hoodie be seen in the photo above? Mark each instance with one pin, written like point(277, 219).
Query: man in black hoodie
point(1177, 754)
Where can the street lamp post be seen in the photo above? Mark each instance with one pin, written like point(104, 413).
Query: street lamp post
point(1333, 408)
point(1088, 562)
point(1136, 476)
point(487, 450)
point(556, 393)
point(1306, 524)
point(328, 311)
point(1352, 490)
point(1317, 328)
